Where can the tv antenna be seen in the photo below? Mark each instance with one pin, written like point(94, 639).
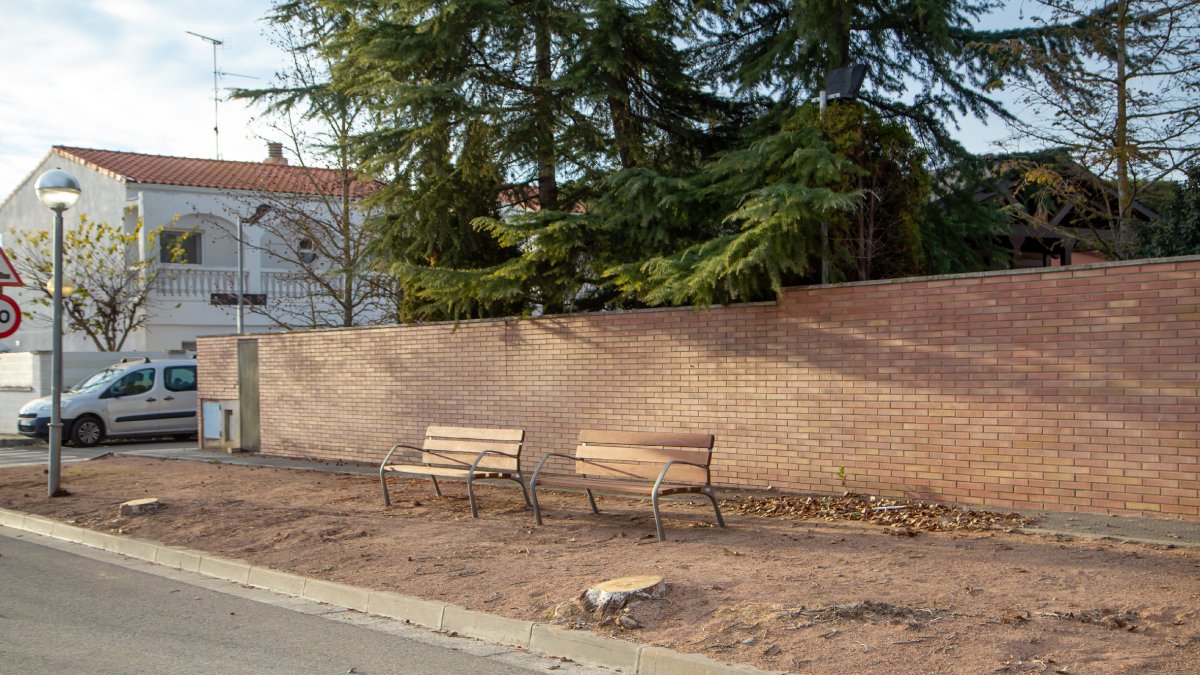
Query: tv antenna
point(217, 74)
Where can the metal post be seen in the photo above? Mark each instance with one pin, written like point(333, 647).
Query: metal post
point(241, 284)
point(824, 222)
point(56, 361)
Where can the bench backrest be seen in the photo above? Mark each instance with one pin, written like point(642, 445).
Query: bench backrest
point(641, 455)
point(459, 446)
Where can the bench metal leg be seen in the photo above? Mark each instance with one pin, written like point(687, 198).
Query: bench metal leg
point(383, 483)
point(712, 497)
point(662, 536)
point(537, 512)
point(524, 492)
point(471, 498)
point(436, 489)
point(592, 501)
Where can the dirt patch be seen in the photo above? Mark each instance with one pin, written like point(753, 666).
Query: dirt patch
point(780, 593)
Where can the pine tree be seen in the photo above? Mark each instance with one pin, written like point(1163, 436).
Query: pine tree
point(846, 167)
point(552, 96)
point(923, 58)
point(651, 152)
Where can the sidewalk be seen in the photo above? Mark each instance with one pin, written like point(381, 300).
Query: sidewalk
point(17, 440)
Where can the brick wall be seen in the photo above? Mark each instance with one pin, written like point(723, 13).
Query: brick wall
point(1066, 388)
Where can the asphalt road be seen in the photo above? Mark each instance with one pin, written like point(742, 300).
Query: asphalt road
point(63, 612)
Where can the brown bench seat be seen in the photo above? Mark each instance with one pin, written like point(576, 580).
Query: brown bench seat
point(634, 462)
point(462, 452)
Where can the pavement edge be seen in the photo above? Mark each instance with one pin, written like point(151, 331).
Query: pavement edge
point(578, 645)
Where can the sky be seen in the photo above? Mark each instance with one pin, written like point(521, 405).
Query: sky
point(126, 75)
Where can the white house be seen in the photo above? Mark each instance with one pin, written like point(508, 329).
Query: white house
point(201, 196)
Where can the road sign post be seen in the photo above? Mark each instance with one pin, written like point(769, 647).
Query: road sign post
point(10, 316)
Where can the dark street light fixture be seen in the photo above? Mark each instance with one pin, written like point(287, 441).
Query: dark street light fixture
point(843, 84)
point(58, 190)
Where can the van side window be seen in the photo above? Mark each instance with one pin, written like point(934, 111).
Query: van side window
point(137, 382)
point(180, 378)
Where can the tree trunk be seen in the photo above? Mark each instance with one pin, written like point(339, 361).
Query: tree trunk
point(543, 102)
point(1121, 134)
point(348, 257)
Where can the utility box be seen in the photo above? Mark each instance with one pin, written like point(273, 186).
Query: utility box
point(220, 428)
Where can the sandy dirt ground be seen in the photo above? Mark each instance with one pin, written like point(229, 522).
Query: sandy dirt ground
point(779, 592)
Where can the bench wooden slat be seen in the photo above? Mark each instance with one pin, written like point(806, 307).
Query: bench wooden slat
point(476, 433)
point(646, 438)
point(647, 473)
point(424, 470)
point(499, 462)
point(614, 485)
point(657, 455)
point(471, 446)
point(465, 452)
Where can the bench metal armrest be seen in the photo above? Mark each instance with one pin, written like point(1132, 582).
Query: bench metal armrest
point(667, 467)
point(393, 450)
point(485, 453)
point(538, 470)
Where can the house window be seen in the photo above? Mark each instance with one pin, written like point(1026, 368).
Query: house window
point(307, 254)
point(188, 243)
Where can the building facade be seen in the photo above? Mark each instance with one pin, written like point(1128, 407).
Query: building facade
point(199, 198)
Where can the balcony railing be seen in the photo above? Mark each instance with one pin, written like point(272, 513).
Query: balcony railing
point(194, 282)
point(285, 285)
point(197, 282)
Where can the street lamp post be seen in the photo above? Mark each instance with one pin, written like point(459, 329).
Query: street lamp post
point(259, 212)
point(59, 191)
point(842, 83)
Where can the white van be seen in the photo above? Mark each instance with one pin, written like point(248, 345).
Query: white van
point(136, 397)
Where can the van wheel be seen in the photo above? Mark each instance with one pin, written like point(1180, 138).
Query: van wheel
point(87, 431)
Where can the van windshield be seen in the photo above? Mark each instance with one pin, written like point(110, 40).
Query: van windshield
point(97, 380)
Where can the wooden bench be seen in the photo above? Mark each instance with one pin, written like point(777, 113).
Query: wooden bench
point(654, 464)
point(462, 452)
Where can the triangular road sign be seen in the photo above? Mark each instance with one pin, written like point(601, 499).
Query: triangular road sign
point(8, 273)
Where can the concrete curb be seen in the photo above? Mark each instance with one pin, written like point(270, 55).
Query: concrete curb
point(487, 626)
point(586, 647)
point(577, 645)
point(426, 613)
point(331, 593)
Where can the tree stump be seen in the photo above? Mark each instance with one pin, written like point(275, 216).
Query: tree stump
point(136, 506)
point(610, 597)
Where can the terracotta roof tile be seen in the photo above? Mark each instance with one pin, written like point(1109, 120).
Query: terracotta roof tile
point(219, 174)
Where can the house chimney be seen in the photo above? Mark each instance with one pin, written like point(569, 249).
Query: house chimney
point(275, 155)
